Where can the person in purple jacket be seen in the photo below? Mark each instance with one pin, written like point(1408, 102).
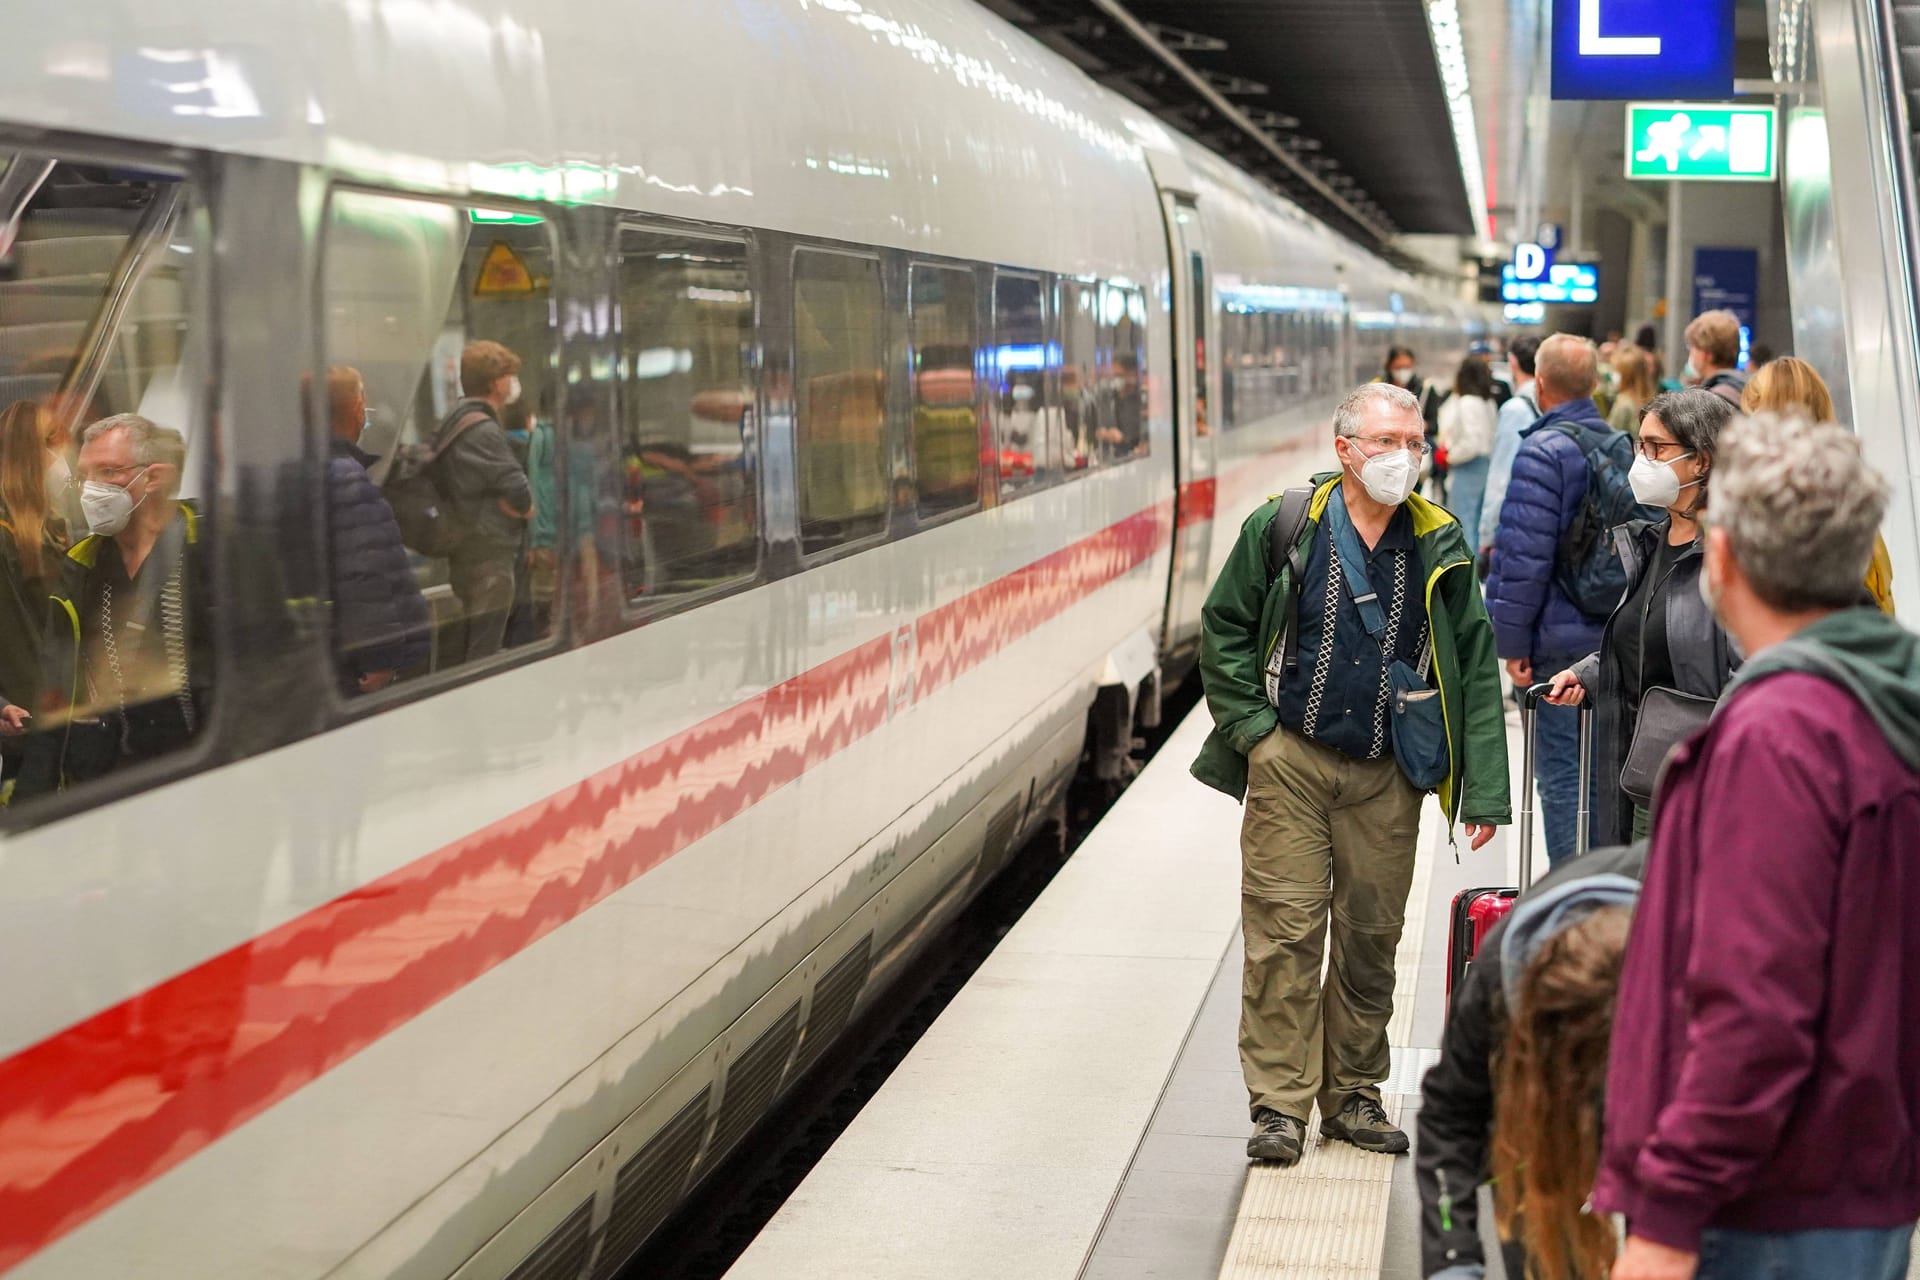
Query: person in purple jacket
point(1763, 1097)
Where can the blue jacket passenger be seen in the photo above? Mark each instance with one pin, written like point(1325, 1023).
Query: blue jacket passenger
point(380, 619)
point(1532, 617)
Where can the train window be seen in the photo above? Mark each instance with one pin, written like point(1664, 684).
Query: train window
point(1235, 387)
point(438, 330)
point(1124, 380)
point(687, 408)
point(1081, 361)
point(102, 344)
point(946, 431)
point(1025, 419)
point(840, 395)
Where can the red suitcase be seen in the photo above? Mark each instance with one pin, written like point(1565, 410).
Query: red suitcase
point(1476, 911)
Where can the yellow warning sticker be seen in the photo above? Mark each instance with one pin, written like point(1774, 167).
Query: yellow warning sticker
point(503, 274)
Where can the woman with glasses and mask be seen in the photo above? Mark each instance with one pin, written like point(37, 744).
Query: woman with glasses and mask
point(1663, 659)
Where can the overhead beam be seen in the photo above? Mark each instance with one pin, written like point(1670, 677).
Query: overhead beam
point(1127, 22)
point(1186, 41)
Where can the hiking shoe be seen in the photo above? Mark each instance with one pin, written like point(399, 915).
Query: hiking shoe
point(1276, 1137)
point(1363, 1122)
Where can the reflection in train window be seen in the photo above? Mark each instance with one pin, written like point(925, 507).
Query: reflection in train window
point(1123, 382)
point(840, 397)
point(1083, 358)
point(687, 409)
point(102, 342)
point(1026, 422)
point(439, 341)
point(946, 430)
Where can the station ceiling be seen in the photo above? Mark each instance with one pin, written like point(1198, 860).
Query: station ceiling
point(1349, 90)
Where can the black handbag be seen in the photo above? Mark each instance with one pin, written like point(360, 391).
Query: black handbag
point(1667, 718)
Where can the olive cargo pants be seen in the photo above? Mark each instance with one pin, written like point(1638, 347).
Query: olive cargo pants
point(1324, 836)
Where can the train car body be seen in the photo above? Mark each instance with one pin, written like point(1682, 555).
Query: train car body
point(478, 974)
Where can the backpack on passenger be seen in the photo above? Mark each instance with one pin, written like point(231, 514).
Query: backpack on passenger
point(1586, 566)
point(427, 521)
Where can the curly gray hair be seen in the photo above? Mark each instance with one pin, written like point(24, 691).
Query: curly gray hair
point(1352, 413)
point(1800, 507)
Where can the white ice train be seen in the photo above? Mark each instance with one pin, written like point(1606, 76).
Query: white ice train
point(905, 391)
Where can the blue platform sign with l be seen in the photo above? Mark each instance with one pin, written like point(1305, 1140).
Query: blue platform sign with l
point(1618, 49)
point(1728, 280)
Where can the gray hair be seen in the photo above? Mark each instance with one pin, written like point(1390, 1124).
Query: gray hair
point(1801, 509)
point(1352, 413)
point(151, 442)
point(1695, 418)
point(1568, 366)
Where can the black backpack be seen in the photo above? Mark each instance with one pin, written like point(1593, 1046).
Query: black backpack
point(427, 521)
point(1283, 548)
point(1586, 566)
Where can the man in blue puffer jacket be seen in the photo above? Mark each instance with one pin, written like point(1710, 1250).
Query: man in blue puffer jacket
point(381, 623)
point(1535, 625)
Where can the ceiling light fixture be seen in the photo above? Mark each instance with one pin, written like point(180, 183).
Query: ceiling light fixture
point(1450, 53)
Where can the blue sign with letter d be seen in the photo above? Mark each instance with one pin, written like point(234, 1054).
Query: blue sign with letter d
point(1618, 49)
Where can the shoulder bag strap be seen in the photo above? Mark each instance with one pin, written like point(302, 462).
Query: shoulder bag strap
point(1353, 556)
point(1283, 547)
point(471, 418)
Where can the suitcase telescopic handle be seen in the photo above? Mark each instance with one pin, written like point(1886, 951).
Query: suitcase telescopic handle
point(1530, 699)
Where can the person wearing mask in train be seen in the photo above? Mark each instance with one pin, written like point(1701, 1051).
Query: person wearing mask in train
point(1521, 411)
point(489, 494)
point(1634, 388)
point(32, 541)
point(1662, 648)
point(381, 623)
point(1466, 432)
point(128, 661)
point(1713, 354)
point(1790, 385)
point(1764, 1116)
point(1349, 667)
point(1523, 1060)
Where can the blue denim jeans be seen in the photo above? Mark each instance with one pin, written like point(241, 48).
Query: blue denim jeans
point(1466, 494)
point(1872, 1254)
point(1556, 773)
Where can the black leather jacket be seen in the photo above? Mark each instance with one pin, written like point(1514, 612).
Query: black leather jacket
point(1703, 658)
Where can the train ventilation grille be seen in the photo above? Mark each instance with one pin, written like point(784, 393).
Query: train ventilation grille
point(563, 1254)
point(753, 1078)
point(649, 1185)
point(833, 998)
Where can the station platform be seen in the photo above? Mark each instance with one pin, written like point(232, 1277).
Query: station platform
point(1078, 1112)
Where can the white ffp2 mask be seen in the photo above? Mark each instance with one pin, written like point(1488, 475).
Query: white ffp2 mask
point(107, 507)
point(1389, 477)
point(1655, 484)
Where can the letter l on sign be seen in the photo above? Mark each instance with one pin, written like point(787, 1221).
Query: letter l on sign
point(1595, 45)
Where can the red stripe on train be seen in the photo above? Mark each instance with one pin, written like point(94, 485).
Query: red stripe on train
point(1196, 501)
point(94, 1112)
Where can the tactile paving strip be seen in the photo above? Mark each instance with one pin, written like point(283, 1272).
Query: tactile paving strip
point(1324, 1219)
point(1320, 1220)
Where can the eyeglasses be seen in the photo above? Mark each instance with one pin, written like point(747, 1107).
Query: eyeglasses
point(1418, 448)
point(1656, 450)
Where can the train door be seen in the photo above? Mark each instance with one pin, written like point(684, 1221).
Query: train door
point(1195, 397)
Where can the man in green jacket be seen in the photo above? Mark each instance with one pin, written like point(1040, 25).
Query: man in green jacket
point(1303, 712)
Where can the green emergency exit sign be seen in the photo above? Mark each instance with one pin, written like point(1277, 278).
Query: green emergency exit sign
point(1700, 142)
